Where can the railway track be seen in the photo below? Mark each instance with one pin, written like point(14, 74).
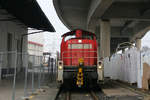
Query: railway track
point(76, 94)
point(94, 95)
point(68, 95)
point(91, 96)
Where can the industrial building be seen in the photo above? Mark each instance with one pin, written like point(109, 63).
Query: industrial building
point(35, 48)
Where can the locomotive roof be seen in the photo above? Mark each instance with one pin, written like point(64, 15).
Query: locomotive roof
point(74, 32)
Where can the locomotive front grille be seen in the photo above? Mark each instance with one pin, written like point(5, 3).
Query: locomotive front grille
point(70, 58)
point(75, 69)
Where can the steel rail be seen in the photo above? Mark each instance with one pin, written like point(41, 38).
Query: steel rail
point(68, 95)
point(93, 95)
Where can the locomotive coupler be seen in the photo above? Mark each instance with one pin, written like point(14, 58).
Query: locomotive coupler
point(79, 82)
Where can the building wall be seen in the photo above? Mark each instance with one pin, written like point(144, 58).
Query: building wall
point(35, 43)
point(11, 28)
point(35, 48)
point(37, 37)
point(35, 51)
point(10, 40)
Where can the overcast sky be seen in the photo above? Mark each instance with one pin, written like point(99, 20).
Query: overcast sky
point(146, 40)
point(48, 8)
point(52, 40)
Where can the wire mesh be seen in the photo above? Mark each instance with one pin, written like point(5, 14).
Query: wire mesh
point(22, 74)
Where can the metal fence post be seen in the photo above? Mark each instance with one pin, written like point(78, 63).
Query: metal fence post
point(14, 80)
point(55, 70)
point(39, 80)
point(39, 76)
point(33, 74)
point(43, 74)
point(26, 76)
point(50, 70)
point(49, 64)
point(1, 63)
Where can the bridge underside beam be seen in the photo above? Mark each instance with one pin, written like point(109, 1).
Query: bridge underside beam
point(126, 10)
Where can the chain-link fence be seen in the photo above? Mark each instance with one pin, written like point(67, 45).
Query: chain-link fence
point(24, 74)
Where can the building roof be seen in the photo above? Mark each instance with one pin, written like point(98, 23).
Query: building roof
point(28, 12)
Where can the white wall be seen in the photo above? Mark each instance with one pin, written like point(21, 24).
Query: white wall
point(38, 37)
point(34, 49)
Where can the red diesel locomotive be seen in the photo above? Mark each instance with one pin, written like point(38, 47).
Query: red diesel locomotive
point(78, 62)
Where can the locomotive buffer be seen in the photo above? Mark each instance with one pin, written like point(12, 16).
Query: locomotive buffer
point(79, 81)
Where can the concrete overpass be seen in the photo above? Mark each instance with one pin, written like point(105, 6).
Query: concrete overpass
point(113, 21)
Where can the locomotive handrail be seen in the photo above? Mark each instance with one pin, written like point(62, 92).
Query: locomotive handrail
point(85, 57)
point(76, 51)
point(79, 57)
point(79, 51)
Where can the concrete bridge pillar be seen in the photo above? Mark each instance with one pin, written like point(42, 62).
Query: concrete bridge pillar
point(105, 30)
point(138, 44)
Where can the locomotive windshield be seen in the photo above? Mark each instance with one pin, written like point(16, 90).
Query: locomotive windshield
point(79, 46)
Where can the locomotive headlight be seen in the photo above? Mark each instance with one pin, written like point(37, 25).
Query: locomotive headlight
point(100, 67)
point(60, 67)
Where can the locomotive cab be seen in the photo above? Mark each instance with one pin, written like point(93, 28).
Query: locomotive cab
point(78, 62)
